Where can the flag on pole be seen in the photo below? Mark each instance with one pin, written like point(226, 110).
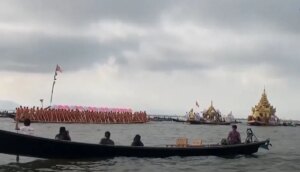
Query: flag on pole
point(197, 104)
point(58, 69)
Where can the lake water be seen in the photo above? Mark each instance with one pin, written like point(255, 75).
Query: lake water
point(284, 155)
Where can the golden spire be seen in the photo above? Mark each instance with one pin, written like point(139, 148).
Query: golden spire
point(264, 100)
point(211, 113)
point(263, 111)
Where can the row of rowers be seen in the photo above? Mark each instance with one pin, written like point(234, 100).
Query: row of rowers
point(64, 134)
point(62, 115)
point(35, 110)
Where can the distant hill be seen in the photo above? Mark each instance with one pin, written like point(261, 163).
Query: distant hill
point(8, 105)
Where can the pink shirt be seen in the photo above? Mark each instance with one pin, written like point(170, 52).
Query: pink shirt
point(234, 137)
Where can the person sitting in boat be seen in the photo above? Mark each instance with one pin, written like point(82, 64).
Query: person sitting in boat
point(26, 129)
point(63, 134)
point(137, 141)
point(234, 136)
point(107, 140)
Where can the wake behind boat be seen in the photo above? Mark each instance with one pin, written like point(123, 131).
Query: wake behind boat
point(32, 146)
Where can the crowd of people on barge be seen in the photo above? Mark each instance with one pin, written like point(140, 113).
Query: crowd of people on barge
point(37, 114)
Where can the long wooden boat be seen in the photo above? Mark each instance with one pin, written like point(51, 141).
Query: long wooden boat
point(7, 114)
point(208, 123)
point(32, 146)
point(178, 120)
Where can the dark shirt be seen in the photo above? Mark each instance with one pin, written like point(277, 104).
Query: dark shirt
point(137, 143)
point(106, 141)
point(63, 137)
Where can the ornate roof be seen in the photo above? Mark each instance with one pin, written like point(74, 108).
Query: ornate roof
point(264, 100)
point(211, 113)
point(263, 110)
point(211, 108)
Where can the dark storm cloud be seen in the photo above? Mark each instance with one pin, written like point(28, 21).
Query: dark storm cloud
point(248, 16)
point(77, 12)
point(35, 52)
point(39, 53)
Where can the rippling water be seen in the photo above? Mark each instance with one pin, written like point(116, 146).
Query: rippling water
point(283, 156)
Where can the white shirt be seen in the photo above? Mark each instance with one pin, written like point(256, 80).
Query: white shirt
point(27, 130)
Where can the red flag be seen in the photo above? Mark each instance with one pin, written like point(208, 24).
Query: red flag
point(197, 104)
point(58, 69)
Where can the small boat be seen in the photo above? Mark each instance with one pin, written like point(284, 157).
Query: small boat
point(208, 123)
point(288, 124)
point(160, 119)
point(178, 120)
point(6, 114)
point(32, 146)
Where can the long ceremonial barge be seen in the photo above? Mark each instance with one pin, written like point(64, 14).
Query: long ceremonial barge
point(211, 116)
point(80, 114)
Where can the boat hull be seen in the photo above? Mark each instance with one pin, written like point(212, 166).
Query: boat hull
point(25, 145)
point(178, 120)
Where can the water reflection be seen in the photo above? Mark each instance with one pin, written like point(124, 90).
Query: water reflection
point(58, 165)
point(121, 163)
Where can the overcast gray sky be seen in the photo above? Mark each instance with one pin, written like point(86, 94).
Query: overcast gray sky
point(158, 56)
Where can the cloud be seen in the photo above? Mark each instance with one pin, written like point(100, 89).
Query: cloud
point(180, 35)
point(40, 48)
point(76, 12)
point(120, 50)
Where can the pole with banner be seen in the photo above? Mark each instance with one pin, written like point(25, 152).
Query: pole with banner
point(57, 69)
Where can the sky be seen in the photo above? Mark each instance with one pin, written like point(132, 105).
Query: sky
point(158, 56)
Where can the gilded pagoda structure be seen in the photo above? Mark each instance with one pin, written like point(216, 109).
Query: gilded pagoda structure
point(211, 114)
point(191, 115)
point(263, 113)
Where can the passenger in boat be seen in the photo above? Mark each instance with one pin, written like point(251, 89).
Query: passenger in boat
point(137, 141)
point(26, 129)
point(107, 140)
point(63, 134)
point(234, 136)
